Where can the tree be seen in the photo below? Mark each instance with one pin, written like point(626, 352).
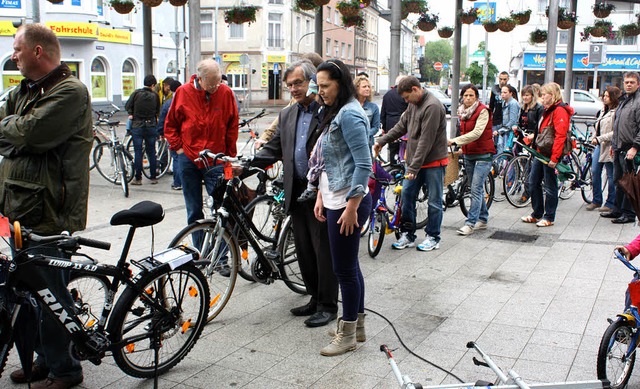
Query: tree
point(436, 51)
point(474, 71)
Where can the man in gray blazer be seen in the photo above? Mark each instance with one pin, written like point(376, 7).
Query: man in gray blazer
point(295, 136)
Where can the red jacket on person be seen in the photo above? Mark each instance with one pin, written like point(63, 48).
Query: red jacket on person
point(197, 121)
point(560, 113)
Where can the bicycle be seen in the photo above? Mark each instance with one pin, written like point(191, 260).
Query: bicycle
point(148, 329)
point(459, 191)
point(113, 161)
point(273, 171)
point(510, 380)
point(101, 129)
point(617, 351)
point(219, 243)
point(163, 157)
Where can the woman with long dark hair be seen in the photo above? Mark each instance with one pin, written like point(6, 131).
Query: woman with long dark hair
point(343, 200)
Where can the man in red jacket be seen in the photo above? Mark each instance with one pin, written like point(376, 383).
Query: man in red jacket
point(203, 115)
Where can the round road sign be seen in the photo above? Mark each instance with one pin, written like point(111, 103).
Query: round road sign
point(437, 66)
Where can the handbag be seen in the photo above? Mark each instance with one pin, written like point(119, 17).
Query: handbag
point(545, 139)
point(452, 170)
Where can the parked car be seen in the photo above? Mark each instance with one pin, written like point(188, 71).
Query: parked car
point(444, 99)
point(584, 103)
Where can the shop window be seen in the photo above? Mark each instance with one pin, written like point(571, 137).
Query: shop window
point(128, 78)
point(10, 74)
point(98, 79)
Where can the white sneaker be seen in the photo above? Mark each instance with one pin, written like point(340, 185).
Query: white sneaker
point(403, 242)
point(465, 230)
point(429, 244)
point(481, 225)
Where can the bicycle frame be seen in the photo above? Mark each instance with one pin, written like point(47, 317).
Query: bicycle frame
point(630, 314)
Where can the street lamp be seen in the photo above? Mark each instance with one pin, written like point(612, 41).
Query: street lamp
point(313, 32)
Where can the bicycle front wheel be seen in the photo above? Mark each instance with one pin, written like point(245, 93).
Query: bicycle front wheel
point(515, 179)
point(263, 211)
point(377, 231)
point(161, 316)
point(104, 159)
point(497, 172)
point(613, 362)
point(122, 170)
point(163, 158)
point(586, 184)
point(89, 293)
point(465, 191)
point(422, 208)
point(221, 271)
point(96, 143)
point(289, 268)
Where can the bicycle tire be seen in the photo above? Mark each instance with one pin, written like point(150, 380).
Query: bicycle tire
point(612, 364)
point(515, 181)
point(104, 157)
point(124, 179)
point(465, 194)
point(498, 168)
point(6, 334)
point(89, 293)
point(96, 142)
point(377, 232)
point(262, 214)
point(586, 184)
point(163, 158)
point(422, 208)
point(289, 268)
point(220, 287)
point(274, 171)
point(567, 188)
point(184, 293)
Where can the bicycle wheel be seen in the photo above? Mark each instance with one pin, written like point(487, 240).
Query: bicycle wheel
point(586, 184)
point(137, 324)
point(377, 232)
point(274, 171)
point(422, 208)
point(567, 188)
point(465, 193)
point(96, 143)
point(201, 235)
point(613, 363)
point(263, 211)
point(104, 159)
point(6, 333)
point(289, 267)
point(124, 178)
point(500, 162)
point(515, 181)
point(163, 158)
point(89, 293)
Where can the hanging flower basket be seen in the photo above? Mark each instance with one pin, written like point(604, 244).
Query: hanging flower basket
point(353, 21)
point(306, 5)
point(600, 29)
point(122, 7)
point(445, 32)
point(426, 26)
point(537, 36)
point(632, 29)
point(363, 3)
point(565, 24)
point(468, 16)
point(178, 3)
point(521, 17)
point(602, 10)
point(414, 6)
point(320, 3)
point(240, 14)
point(506, 24)
point(597, 32)
point(151, 3)
point(55, 1)
point(428, 22)
point(490, 26)
point(349, 8)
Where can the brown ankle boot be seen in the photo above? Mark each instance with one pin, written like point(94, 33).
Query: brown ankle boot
point(361, 335)
point(345, 339)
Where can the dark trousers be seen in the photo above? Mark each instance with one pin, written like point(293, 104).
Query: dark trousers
point(344, 255)
point(544, 198)
point(622, 204)
point(314, 258)
point(147, 134)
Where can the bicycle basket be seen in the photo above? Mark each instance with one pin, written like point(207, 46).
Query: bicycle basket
point(634, 292)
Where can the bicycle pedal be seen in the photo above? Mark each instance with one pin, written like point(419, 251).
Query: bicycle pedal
point(271, 255)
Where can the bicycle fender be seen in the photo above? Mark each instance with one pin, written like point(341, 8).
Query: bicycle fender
point(172, 258)
point(628, 318)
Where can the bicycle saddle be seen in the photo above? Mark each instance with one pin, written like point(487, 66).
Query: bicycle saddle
point(143, 214)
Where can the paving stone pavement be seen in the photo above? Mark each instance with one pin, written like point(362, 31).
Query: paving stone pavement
point(538, 308)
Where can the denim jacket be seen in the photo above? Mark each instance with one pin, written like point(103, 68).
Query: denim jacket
point(345, 148)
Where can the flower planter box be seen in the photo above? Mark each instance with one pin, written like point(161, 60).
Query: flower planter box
point(597, 32)
point(468, 19)
point(601, 13)
point(506, 25)
point(565, 24)
point(426, 26)
point(521, 19)
point(490, 27)
point(445, 33)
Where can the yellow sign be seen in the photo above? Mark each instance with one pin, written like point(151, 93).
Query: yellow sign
point(235, 68)
point(276, 58)
point(128, 85)
point(74, 29)
point(264, 78)
point(6, 28)
point(99, 87)
point(11, 80)
point(116, 36)
point(231, 57)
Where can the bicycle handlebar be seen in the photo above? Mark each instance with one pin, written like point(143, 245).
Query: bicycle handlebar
point(63, 240)
point(258, 116)
point(625, 261)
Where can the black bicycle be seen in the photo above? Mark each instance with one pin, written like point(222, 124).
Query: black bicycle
point(148, 329)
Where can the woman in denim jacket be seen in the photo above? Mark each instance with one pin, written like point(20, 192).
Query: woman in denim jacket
point(510, 112)
point(343, 200)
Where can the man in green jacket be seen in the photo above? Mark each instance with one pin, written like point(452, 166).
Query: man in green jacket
point(45, 139)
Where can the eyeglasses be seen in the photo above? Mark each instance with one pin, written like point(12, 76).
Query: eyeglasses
point(295, 84)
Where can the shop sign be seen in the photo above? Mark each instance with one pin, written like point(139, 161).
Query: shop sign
point(6, 28)
point(276, 58)
point(581, 61)
point(235, 68)
point(12, 4)
point(264, 75)
point(11, 80)
point(231, 57)
point(486, 12)
point(115, 36)
point(74, 29)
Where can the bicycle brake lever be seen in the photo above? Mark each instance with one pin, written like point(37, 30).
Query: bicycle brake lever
point(478, 362)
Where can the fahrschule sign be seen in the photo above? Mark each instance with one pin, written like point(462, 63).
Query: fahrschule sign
point(581, 61)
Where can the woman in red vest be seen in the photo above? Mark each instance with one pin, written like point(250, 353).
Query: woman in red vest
point(476, 139)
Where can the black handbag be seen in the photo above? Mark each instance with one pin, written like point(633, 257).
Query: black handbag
point(545, 139)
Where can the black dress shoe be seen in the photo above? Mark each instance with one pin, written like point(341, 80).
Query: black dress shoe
point(307, 195)
point(305, 310)
point(610, 215)
point(623, 219)
point(320, 319)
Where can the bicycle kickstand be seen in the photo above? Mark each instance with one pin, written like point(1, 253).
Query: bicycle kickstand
point(403, 380)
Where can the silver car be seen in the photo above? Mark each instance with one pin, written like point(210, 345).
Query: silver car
point(444, 99)
point(584, 103)
point(5, 94)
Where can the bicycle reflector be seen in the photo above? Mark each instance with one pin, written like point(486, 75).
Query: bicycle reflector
point(228, 171)
point(634, 292)
point(17, 235)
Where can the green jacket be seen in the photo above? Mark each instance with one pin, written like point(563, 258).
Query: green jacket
point(45, 138)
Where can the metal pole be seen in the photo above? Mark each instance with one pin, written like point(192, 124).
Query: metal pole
point(394, 55)
point(147, 43)
point(318, 38)
point(35, 10)
point(595, 78)
point(568, 75)
point(485, 65)
point(177, 42)
point(552, 38)
point(194, 34)
point(455, 79)
point(215, 32)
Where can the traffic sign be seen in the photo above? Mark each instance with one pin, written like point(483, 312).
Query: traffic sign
point(437, 66)
point(276, 68)
point(597, 54)
point(244, 59)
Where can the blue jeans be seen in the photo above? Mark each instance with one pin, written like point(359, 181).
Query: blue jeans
point(434, 180)
point(544, 204)
point(344, 257)
point(596, 177)
point(477, 171)
point(148, 134)
point(192, 177)
point(177, 182)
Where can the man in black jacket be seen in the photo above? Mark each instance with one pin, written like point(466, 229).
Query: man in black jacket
point(495, 101)
point(143, 107)
point(393, 106)
point(296, 134)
